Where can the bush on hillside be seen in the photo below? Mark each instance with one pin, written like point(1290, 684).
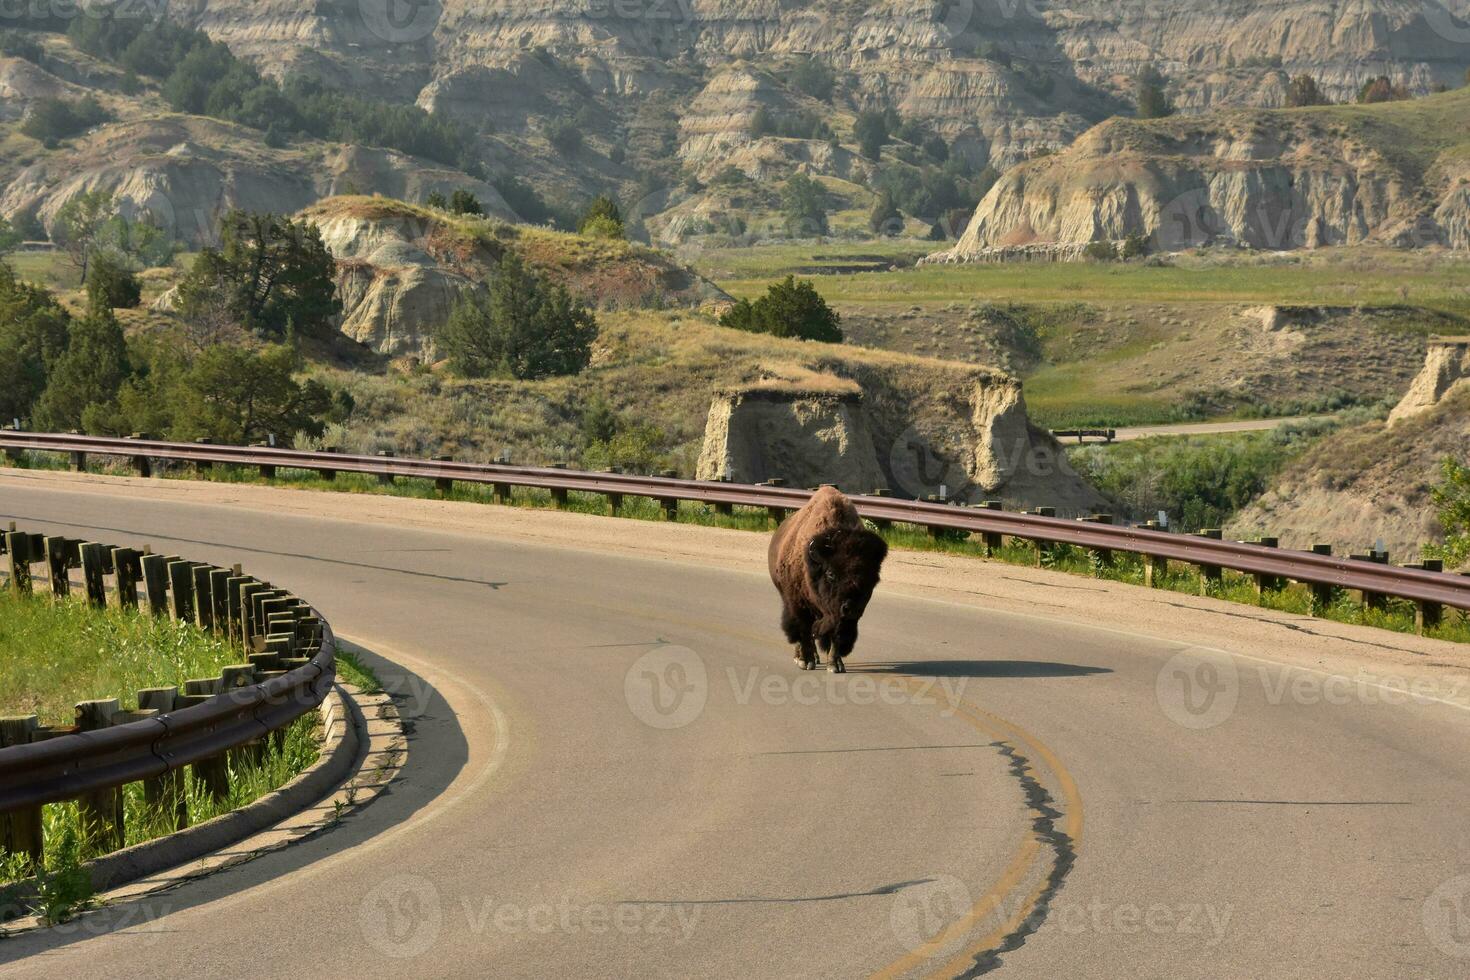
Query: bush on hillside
point(1452, 502)
point(522, 327)
point(52, 120)
point(789, 309)
point(604, 219)
point(112, 285)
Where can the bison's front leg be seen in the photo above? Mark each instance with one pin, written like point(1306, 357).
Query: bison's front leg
point(798, 629)
point(845, 640)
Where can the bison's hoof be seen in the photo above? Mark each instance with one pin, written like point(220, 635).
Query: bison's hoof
point(808, 665)
point(836, 667)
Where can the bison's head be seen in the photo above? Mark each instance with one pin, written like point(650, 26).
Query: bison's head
point(843, 567)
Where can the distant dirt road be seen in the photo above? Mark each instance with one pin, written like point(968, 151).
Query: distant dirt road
point(1211, 428)
point(616, 770)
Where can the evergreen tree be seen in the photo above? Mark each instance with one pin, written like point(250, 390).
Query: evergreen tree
point(522, 327)
point(90, 372)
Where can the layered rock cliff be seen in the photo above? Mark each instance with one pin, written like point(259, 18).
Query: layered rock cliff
point(1392, 173)
point(1446, 369)
point(963, 434)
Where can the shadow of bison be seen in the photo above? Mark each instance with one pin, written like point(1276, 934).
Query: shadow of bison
point(825, 564)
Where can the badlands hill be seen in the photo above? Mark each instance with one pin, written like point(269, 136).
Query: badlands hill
point(1395, 173)
point(579, 98)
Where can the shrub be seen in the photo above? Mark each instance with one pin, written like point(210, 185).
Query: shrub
point(90, 372)
point(33, 334)
point(885, 218)
point(565, 135)
point(274, 272)
point(111, 284)
point(1104, 251)
point(1380, 89)
point(813, 78)
point(1153, 101)
point(464, 202)
point(1135, 246)
point(604, 219)
point(1303, 91)
point(1452, 502)
point(437, 201)
point(52, 120)
point(789, 309)
point(803, 201)
point(870, 130)
point(522, 327)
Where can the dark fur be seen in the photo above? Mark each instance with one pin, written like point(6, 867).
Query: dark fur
point(825, 564)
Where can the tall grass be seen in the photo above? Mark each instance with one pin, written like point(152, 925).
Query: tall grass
point(56, 653)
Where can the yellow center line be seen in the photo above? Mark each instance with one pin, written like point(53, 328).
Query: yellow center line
point(1021, 864)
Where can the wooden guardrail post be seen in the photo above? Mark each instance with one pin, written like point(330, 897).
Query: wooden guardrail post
point(993, 540)
point(203, 598)
point(558, 494)
point(94, 567)
point(1104, 555)
point(326, 473)
point(386, 479)
point(881, 523)
point(181, 588)
point(202, 466)
point(21, 830)
point(501, 492)
point(1373, 600)
point(1428, 615)
point(1043, 546)
point(155, 583)
point(165, 794)
point(128, 569)
point(100, 813)
point(18, 551)
point(1322, 592)
point(1209, 573)
point(443, 485)
point(212, 774)
point(142, 464)
point(58, 566)
point(1266, 583)
point(78, 462)
point(219, 599)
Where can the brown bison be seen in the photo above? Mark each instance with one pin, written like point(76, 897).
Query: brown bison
point(825, 564)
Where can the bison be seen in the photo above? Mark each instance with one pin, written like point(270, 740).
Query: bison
point(825, 564)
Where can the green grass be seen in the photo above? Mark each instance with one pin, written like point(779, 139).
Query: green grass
point(1349, 278)
point(62, 888)
point(54, 654)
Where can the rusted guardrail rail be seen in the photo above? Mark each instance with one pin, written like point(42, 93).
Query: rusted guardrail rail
point(1426, 584)
point(288, 664)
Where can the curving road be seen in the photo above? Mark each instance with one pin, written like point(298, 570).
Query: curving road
point(614, 769)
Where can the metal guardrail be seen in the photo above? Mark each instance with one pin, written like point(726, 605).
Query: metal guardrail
point(288, 665)
point(1430, 589)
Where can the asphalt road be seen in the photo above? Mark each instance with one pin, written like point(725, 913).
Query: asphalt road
point(615, 770)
